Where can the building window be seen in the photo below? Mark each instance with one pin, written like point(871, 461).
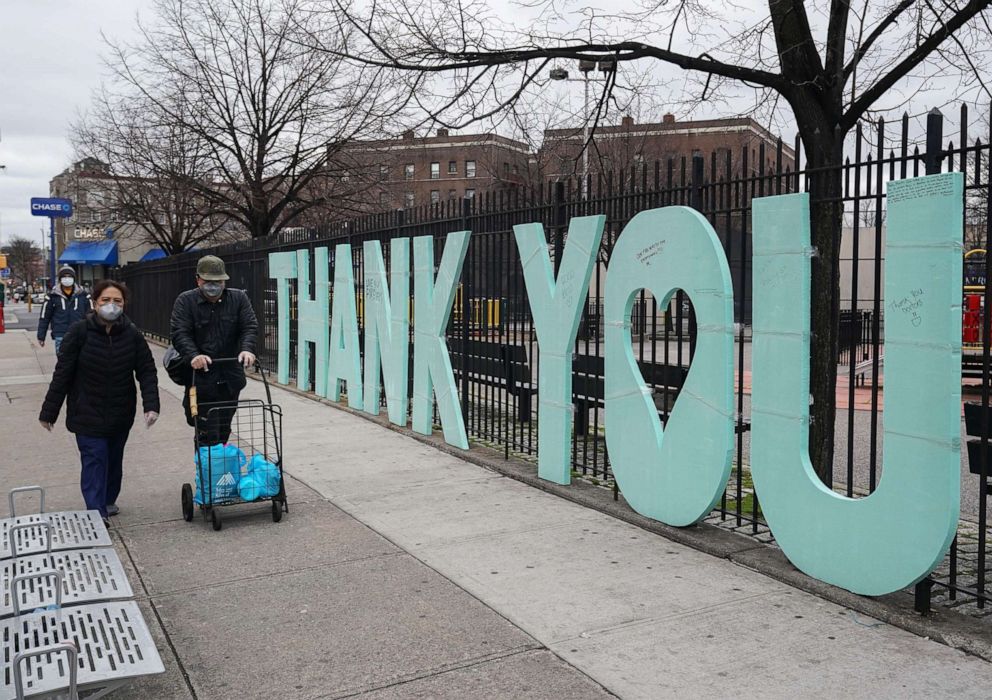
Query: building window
point(383, 172)
point(452, 194)
point(408, 171)
point(383, 198)
point(452, 167)
point(435, 196)
point(469, 194)
point(469, 169)
point(506, 170)
point(435, 171)
point(408, 199)
point(516, 169)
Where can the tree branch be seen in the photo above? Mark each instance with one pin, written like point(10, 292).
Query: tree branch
point(925, 48)
point(876, 33)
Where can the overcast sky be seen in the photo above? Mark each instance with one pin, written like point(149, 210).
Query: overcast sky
point(49, 62)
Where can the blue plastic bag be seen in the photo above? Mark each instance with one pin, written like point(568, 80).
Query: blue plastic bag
point(222, 465)
point(249, 489)
point(265, 474)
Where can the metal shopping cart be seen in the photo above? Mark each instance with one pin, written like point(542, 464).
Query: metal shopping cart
point(238, 455)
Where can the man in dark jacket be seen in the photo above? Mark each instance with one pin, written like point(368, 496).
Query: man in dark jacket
point(64, 305)
point(209, 323)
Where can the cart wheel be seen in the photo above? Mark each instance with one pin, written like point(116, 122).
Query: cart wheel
point(187, 502)
point(276, 510)
point(215, 519)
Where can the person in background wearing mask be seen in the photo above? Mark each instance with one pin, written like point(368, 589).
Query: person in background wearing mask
point(101, 356)
point(208, 323)
point(64, 305)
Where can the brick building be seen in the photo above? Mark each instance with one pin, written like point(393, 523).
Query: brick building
point(412, 171)
point(91, 240)
point(630, 145)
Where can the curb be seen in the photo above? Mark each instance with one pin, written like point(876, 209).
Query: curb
point(941, 625)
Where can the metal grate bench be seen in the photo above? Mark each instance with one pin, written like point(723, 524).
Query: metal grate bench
point(90, 649)
point(88, 575)
point(41, 532)
point(44, 532)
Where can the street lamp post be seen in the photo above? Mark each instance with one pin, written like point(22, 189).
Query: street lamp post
point(585, 67)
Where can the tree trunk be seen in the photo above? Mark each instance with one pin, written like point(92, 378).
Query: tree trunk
point(826, 224)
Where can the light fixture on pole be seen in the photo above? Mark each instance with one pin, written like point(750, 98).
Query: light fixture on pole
point(585, 67)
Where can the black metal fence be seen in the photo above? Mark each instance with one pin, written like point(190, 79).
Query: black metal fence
point(493, 345)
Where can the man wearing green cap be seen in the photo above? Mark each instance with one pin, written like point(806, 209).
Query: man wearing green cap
point(208, 323)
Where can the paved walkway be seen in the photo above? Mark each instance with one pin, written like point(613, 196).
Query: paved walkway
point(402, 572)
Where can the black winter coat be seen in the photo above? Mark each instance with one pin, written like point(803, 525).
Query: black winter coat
point(59, 311)
point(223, 329)
point(97, 370)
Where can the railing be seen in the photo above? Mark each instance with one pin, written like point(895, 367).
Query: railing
point(492, 288)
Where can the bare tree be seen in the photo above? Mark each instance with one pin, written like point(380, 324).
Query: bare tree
point(23, 258)
point(264, 114)
point(830, 63)
point(156, 170)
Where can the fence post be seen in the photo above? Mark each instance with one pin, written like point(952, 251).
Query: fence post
point(465, 310)
point(696, 202)
point(696, 184)
point(935, 142)
point(935, 136)
point(558, 222)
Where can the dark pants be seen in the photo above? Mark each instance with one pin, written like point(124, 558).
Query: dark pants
point(103, 467)
point(216, 403)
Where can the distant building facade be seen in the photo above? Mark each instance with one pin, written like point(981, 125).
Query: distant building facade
point(92, 240)
point(413, 171)
point(631, 146)
point(104, 232)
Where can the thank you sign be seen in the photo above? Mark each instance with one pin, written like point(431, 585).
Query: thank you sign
point(677, 472)
point(51, 206)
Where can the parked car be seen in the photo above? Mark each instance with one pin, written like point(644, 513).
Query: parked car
point(38, 297)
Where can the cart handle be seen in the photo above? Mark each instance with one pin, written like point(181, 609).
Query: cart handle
point(257, 365)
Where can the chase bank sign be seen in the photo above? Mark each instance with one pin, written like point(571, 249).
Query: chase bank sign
point(677, 473)
point(51, 207)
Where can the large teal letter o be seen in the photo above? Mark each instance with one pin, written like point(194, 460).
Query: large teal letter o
point(675, 475)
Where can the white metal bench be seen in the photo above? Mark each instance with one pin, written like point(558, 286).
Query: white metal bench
point(87, 575)
point(42, 532)
point(87, 649)
point(80, 651)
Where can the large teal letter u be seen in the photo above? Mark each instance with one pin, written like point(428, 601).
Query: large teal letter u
point(897, 535)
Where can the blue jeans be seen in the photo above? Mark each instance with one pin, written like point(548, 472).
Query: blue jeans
point(58, 345)
point(103, 468)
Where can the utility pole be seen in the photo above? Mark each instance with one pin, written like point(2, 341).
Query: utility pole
point(585, 67)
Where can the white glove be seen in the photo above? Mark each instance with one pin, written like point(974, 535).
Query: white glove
point(150, 418)
point(200, 362)
point(246, 358)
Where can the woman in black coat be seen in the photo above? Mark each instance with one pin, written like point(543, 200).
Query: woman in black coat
point(101, 356)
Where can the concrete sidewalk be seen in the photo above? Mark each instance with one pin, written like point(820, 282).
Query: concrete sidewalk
point(402, 571)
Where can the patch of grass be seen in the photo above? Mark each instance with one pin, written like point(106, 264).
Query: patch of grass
point(747, 504)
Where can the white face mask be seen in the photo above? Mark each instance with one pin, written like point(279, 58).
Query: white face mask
point(66, 281)
point(213, 289)
point(110, 312)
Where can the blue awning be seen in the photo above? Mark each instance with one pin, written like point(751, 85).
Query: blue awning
point(90, 253)
point(153, 254)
